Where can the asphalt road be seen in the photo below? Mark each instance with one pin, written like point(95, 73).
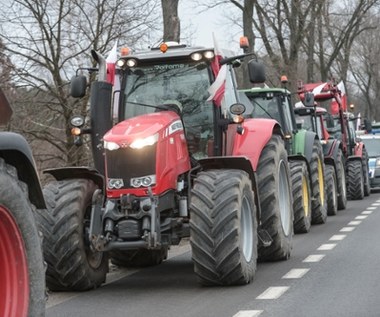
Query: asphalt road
point(333, 271)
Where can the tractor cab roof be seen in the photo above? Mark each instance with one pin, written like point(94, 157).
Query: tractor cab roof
point(259, 90)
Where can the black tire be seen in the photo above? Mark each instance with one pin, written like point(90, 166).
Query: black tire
point(355, 180)
point(331, 190)
point(367, 186)
point(138, 258)
point(318, 203)
point(301, 196)
point(72, 266)
point(276, 201)
point(341, 180)
point(20, 242)
point(223, 228)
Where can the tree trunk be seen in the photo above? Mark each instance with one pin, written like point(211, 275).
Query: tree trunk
point(172, 30)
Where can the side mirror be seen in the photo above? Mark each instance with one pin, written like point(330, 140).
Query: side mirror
point(256, 72)
point(308, 99)
point(78, 86)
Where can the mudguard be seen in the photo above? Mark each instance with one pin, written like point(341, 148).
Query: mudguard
point(14, 149)
point(303, 143)
point(358, 149)
point(256, 134)
point(77, 172)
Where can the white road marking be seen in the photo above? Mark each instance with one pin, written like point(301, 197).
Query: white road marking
point(360, 217)
point(367, 212)
point(248, 313)
point(375, 204)
point(313, 258)
point(296, 273)
point(327, 246)
point(273, 292)
point(354, 223)
point(378, 201)
point(338, 237)
point(347, 229)
point(371, 208)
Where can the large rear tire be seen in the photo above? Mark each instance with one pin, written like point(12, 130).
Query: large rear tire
point(319, 203)
point(331, 191)
point(301, 196)
point(355, 180)
point(22, 273)
point(276, 200)
point(223, 228)
point(341, 180)
point(138, 258)
point(367, 186)
point(72, 265)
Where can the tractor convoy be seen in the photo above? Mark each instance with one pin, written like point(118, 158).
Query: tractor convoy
point(180, 153)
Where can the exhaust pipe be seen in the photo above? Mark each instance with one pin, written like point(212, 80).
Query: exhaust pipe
point(102, 74)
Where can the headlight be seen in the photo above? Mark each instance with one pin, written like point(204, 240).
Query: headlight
point(140, 143)
point(111, 146)
point(77, 121)
point(116, 183)
point(143, 181)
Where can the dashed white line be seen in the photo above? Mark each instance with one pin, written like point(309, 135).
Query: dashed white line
point(371, 208)
point(327, 246)
point(354, 223)
point(313, 258)
point(338, 237)
point(367, 212)
point(375, 204)
point(273, 292)
point(361, 217)
point(248, 313)
point(295, 273)
point(347, 229)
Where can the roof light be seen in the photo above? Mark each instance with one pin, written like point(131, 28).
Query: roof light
point(244, 43)
point(209, 54)
point(131, 62)
point(124, 51)
point(120, 63)
point(163, 47)
point(284, 79)
point(196, 56)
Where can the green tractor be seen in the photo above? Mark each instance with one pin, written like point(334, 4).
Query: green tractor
point(305, 155)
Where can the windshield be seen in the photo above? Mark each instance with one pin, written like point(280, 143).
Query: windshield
point(265, 107)
point(372, 146)
point(182, 84)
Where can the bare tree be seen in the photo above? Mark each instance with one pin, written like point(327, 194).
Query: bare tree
point(47, 41)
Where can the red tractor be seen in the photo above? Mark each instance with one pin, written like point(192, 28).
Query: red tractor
point(22, 273)
point(171, 162)
point(342, 150)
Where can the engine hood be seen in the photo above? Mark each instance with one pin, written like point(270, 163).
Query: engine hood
point(140, 127)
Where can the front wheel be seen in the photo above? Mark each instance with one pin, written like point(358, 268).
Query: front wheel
point(355, 180)
point(301, 196)
point(276, 200)
point(223, 227)
point(367, 186)
point(331, 191)
point(319, 203)
point(341, 180)
point(72, 265)
point(22, 272)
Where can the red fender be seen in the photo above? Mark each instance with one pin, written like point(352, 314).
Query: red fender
point(358, 150)
point(256, 134)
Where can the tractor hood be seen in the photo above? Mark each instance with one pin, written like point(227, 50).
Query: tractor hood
point(144, 127)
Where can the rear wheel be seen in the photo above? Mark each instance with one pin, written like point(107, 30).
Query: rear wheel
point(138, 258)
point(72, 265)
point(319, 203)
point(331, 191)
point(355, 180)
point(223, 228)
point(301, 196)
point(341, 180)
point(367, 187)
point(22, 273)
point(275, 200)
